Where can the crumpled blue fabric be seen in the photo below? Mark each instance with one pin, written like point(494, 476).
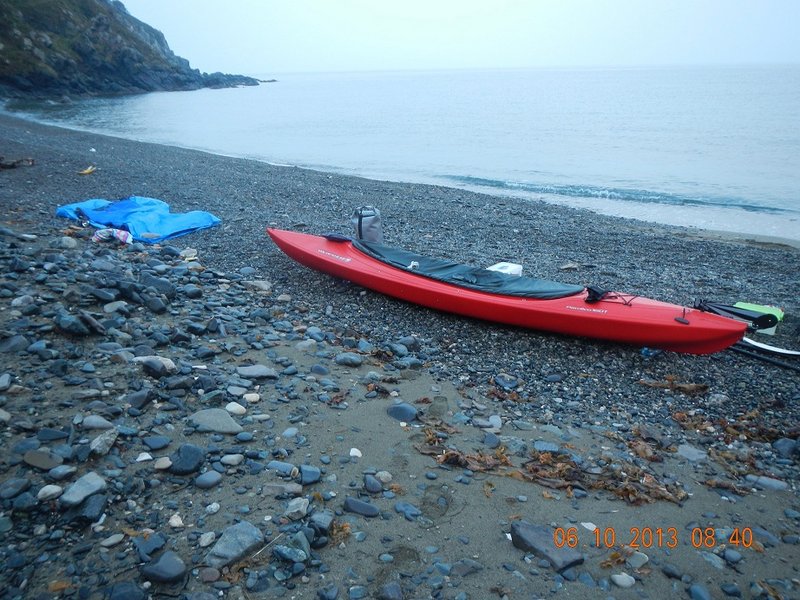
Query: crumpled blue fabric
point(147, 219)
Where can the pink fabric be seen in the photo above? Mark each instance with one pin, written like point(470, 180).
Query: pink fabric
point(104, 235)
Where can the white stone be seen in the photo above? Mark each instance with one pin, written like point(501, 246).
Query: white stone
point(235, 408)
point(49, 492)
point(231, 460)
point(176, 522)
point(96, 422)
point(163, 463)
point(22, 301)
point(216, 420)
point(623, 580)
point(297, 509)
point(168, 364)
point(259, 285)
point(103, 443)
point(114, 306)
point(383, 476)
point(112, 540)
point(306, 346)
point(82, 488)
point(637, 560)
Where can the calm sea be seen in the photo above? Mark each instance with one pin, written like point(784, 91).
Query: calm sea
point(715, 148)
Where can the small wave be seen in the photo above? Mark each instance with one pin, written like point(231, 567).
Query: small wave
point(610, 193)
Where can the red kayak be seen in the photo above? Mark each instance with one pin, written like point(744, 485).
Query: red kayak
point(513, 300)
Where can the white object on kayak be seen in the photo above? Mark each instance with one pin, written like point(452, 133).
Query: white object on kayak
point(506, 267)
point(768, 348)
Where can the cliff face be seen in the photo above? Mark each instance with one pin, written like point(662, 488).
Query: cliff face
point(90, 47)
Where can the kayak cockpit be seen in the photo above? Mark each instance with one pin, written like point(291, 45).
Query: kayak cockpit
point(475, 278)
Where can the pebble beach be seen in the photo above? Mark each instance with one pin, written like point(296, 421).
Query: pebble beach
point(206, 419)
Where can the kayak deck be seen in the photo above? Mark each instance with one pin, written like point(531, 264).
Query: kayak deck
point(615, 317)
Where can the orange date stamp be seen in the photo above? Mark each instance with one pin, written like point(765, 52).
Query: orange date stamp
point(652, 537)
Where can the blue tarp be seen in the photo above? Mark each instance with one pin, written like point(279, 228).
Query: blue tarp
point(147, 219)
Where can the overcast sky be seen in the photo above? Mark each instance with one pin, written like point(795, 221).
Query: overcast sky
point(263, 37)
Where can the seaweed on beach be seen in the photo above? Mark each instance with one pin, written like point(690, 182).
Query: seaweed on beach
point(726, 485)
point(630, 483)
point(671, 383)
point(474, 461)
point(750, 426)
point(644, 450)
point(641, 446)
point(692, 421)
point(500, 394)
point(379, 389)
point(434, 427)
point(558, 471)
point(735, 464)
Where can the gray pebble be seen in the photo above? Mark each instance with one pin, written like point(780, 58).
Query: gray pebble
point(731, 589)
point(539, 540)
point(89, 484)
point(767, 483)
point(408, 510)
point(257, 372)
point(391, 591)
point(208, 480)
point(217, 420)
point(234, 543)
point(371, 484)
point(187, 459)
point(126, 590)
point(671, 571)
point(348, 359)
point(169, 567)
point(360, 507)
point(699, 592)
point(691, 453)
point(402, 412)
point(785, 447)
point(309, 474)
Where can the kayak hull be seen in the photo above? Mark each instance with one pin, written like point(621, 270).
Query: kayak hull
point(617, 317)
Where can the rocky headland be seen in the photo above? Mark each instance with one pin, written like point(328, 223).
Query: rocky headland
point(68, 48)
